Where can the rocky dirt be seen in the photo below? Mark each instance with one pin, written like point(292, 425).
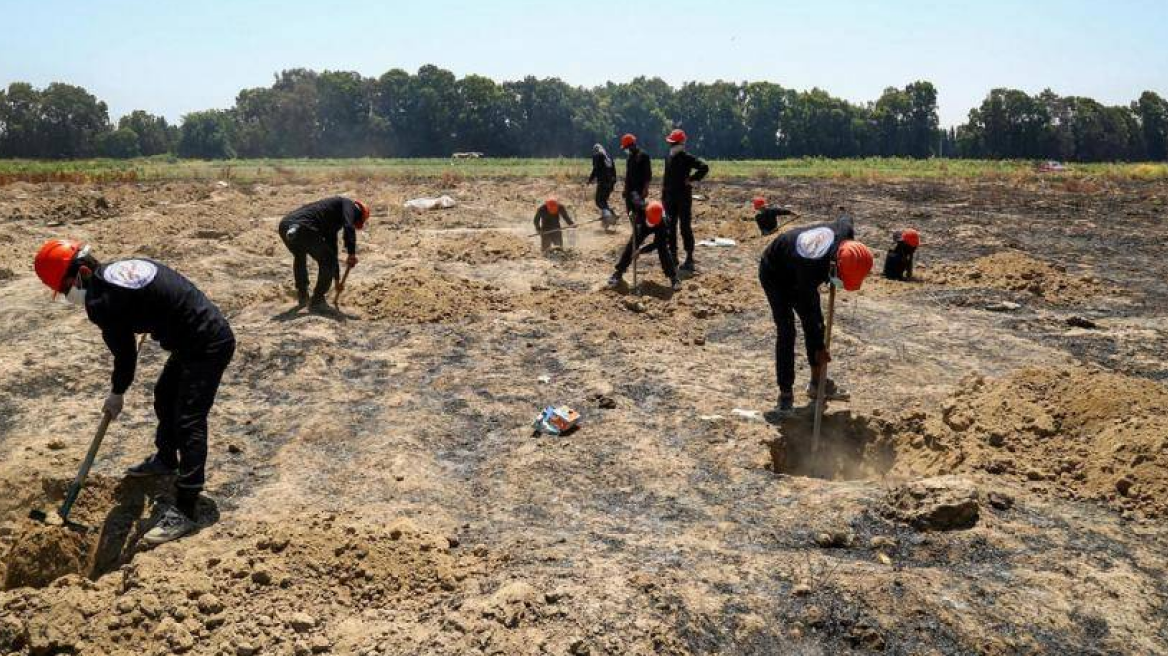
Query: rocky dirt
point(996, 486)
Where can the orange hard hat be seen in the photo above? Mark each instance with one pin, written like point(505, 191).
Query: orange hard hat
point(53, 260)
point(676, 137)
point(911, 237)
point(364, 214)
point(628, 140)
point(759, 202)
point(552, 205)
point(653, 213)
point(853, 263)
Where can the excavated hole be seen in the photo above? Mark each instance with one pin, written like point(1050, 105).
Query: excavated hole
point(849, 448)
point(111, 515)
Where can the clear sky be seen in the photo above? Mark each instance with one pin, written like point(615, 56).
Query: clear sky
point(174, 57)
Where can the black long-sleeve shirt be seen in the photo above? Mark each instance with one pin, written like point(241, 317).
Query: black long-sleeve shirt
point(603, 169)
point(545, 221)
point(329, 217)
point(898, 263)
point(135, 296)
point(638, 174)
point(768, 218)
point(682, 168)
point(801, 259)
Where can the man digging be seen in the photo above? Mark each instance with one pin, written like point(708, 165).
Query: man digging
point(791, 270)
point(136, 296)
point(604, 175)
point(547, 224)
point(311, 231)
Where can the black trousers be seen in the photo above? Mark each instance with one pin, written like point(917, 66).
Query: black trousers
point(786, 302)
point(679, 207)
point(183, 397)
point(603, 193)
point(642, 233)
point(303, 243)
point(551, 235)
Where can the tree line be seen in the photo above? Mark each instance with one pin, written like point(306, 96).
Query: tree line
point(433, 113)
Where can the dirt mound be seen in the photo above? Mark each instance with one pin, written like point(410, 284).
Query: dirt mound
point(1018, 272)
point(1080, 433)
point(422, 296)
point(486, 248)
point(270, 589)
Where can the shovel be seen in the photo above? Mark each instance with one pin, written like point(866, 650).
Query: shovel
point(341, 286)
point(821, 388)
point(83, 473)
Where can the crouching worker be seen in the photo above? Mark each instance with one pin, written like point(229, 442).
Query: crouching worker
point(135, 296)
point(647, 220)
point(311, 231)
point(547, 224)
point(766, 217)
point(791, 270)
point(898, 263)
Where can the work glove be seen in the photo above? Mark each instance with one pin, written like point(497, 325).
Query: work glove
point(352, 261)
point(113, 405)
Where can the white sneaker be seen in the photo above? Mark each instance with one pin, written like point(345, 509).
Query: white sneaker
point(172, 526)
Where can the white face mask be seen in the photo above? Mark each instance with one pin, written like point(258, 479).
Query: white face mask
point(76, 296)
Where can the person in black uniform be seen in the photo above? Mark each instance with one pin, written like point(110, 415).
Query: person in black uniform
point(547, 224)
point(767, 218)
point(311, 231)
point(604, 175)
point(898, 263)
point(135, 296)
point(638, 175)
point(681, 171)
point(649, 221)
point(791, 270)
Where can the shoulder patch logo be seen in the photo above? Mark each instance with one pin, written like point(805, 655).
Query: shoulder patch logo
point(130, 274)
point(814, 244)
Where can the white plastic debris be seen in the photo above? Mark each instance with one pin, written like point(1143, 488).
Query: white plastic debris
point(719, 242)
point(749, 415)
point(711, 418)
point(439, 203)
point(545, 379)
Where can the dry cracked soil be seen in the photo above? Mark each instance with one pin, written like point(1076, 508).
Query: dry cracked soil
point(998, 484)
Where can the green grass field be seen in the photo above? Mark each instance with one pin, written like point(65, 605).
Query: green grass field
point(309, 170)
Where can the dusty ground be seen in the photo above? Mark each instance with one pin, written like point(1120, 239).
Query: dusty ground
point(996, 486)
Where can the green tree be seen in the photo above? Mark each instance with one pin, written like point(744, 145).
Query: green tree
point(122, 143)
point(71, 119)
point(20, 109)
point(207, 135)
point(642, 107)
point(1152, 111)
point(763, 104)
point(712, 116)
point(155, 135)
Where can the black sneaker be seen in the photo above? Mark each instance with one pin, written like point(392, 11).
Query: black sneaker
point(152, 466)
point(615, 280)
point(689, 264)
point(785, 408)
point(831, 392)
point(676, 285)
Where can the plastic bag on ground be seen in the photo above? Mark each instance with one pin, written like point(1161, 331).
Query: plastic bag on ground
point(556, 421)
point(439, 203)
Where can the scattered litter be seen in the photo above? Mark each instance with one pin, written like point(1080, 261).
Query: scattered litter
point(711, 418)
point(556, 421)
point(440, 203)
point(749, 415)
point(545, 379)
point(720, 242)
point(1003, 306)
point(223, 184)
point(699, 197)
